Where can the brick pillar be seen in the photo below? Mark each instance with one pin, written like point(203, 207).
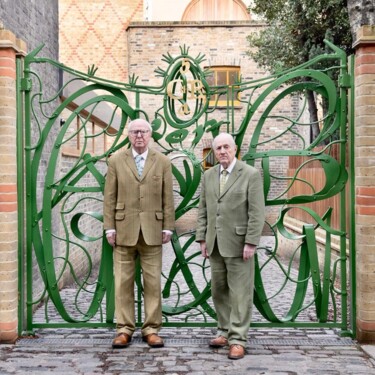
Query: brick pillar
point(365, 181)
point(10, 46)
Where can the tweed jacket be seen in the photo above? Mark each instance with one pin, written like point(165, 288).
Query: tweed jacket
point(237, 215)
point(132, 203)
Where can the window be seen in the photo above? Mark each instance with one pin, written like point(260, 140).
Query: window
point(209, 159)
point(223, 81)
point(85, 136)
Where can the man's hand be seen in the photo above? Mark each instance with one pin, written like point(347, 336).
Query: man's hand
point(204, 249)
point(166, 236)
point(248, 251)
point(111, 238)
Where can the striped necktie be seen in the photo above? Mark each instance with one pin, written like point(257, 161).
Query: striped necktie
point(139, 164)
point(223, 180)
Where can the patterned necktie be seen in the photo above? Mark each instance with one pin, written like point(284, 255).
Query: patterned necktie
point(223, 180)
point(139, 164)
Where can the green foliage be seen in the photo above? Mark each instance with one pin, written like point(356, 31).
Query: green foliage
point(296, 30)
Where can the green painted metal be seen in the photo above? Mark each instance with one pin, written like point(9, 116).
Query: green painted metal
point(352, 236)
point(60, 204)
point(20, 197)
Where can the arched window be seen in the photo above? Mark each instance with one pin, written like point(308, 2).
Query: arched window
point(216, 10)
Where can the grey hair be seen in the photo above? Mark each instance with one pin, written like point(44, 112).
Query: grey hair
point(139, 121)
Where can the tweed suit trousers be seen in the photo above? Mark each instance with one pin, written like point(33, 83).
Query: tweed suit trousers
point(124, 266)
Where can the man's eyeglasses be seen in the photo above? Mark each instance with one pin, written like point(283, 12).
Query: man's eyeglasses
point(136, 132)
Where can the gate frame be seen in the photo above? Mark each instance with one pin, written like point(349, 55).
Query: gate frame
point(23, 87)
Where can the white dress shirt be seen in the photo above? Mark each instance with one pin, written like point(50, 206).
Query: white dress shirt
point(229, 169)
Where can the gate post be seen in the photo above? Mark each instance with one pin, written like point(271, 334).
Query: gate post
point(10, 47)
point(365, 181)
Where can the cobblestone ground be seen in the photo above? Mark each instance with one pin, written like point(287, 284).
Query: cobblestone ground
point(270, 350)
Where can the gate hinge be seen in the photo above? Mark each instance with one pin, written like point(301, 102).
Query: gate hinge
point(345, 81)
point(26, 84)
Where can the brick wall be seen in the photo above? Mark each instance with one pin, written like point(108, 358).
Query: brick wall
point(35, 22)
point(10, 46)
point(365, 181)
point(94, 32)
point(24, 26)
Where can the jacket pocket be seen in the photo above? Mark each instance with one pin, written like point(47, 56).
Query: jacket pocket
point(159, 215)
point(120, 206)
point(241, 231)
point(119, 216)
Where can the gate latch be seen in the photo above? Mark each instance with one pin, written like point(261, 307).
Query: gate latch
point(26, 84)
point(345, 81)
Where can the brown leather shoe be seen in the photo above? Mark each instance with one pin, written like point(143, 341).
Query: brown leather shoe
point(218, 342)
point(236, 351)
point(153, 340)
point(122, 340)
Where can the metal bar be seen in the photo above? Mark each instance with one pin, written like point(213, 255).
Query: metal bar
point(29, 213)
point(306, 324)
point(20, 198)
point(343, 263)
point(352, 232)
point(297, 325)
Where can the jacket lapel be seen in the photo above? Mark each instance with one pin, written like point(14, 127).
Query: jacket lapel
point(236, 173)
point(130, 162)
point(149, 163)
point(215, 180)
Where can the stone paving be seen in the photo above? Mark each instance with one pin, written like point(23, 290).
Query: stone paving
point(270, 351)
point(281, 351)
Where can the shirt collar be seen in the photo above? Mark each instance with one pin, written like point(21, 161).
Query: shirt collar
point(144, 155)
point(231, 166)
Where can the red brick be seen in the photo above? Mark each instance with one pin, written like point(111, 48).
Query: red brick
point(8, 197)
point(8, 188)
point(8, 207)
point(365, 210)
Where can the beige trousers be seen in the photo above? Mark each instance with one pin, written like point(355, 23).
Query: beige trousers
point(232, 286)
point(124, 267)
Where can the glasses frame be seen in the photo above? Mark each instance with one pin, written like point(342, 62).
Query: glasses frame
point(136, 132)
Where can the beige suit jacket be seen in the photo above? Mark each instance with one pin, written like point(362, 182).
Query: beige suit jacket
point(133, 203)
point(237, 215)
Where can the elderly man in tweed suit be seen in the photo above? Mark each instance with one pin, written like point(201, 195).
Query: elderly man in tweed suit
point(138, 219)
point(230, 222)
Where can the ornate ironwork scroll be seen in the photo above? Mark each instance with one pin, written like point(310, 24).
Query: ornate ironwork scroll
point(67, 145)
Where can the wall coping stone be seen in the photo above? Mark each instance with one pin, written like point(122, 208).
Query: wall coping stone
point(365, 35)
point(153, 24)
point(9, 40)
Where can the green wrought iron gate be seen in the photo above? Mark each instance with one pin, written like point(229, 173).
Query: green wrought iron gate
point(303, 277)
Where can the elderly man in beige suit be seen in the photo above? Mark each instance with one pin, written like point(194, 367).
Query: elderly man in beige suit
point(230, 222)
point(138, 219)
